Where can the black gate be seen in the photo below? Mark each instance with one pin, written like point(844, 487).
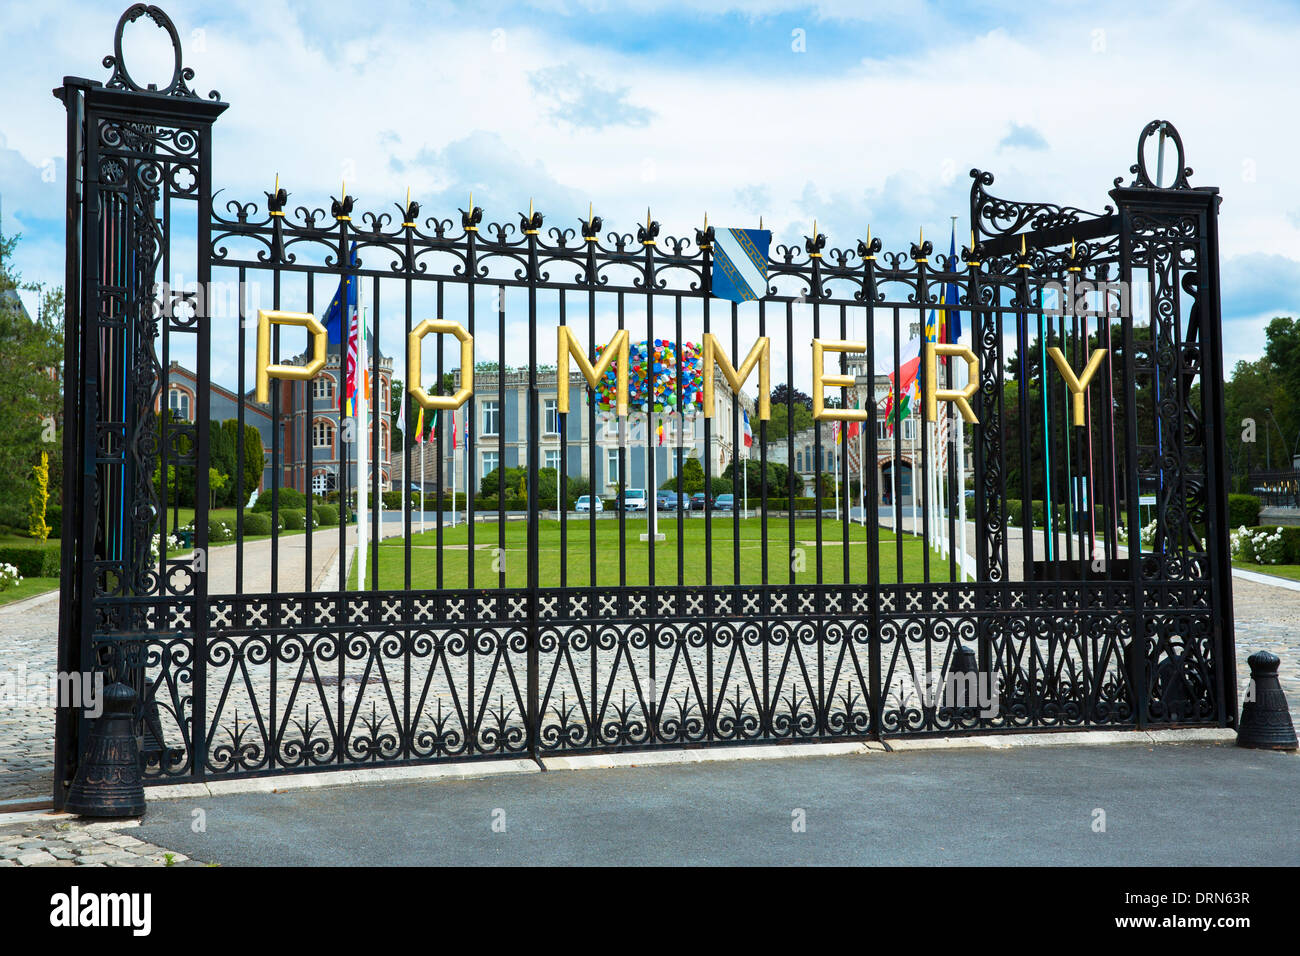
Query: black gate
point(1082, 582)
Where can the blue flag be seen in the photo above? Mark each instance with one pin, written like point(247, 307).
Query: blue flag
point(951, 295)
point(740, 263)
point(333, 321)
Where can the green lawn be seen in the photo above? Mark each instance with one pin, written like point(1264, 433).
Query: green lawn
point(28, 588)
point(576, 555)
point(1291, 571)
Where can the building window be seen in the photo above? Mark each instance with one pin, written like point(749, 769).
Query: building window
point(909, 429)
point(322, 389)
point(798, 461)
point(490, 459)
point(491, 417)
point(179, 402)
point(551, 407)
point(553, 459)
point(321, 482)
point(611, 426)
point(322, 434)
point(611, 467)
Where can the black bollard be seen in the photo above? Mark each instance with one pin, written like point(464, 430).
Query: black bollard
point(1265, 720)
point(109, 781)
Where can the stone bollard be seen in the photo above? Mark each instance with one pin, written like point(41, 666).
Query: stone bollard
point(110, 780)
point(1265, 720)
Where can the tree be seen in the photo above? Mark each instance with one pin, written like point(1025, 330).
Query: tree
point(30, 389)
point(778, 426)
point(783, 394)
point(689, 480)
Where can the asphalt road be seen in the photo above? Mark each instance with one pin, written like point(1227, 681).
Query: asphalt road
point(1167, 805)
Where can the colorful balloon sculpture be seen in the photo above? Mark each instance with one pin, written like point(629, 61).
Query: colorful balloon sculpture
point(652, 379)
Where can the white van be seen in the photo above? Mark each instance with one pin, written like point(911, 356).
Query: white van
point(634, 499)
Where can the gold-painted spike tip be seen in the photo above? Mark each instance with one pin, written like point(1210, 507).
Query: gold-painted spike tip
point(1022, 245)
point(589, 215)
point(408, 197)
point(530, 207)
point(1073, 247)
point(471, 202)
point(814, 230)
point(706, 222)
point(760, 222)
point(277, 184)
point(647, 217)
point(345, 190)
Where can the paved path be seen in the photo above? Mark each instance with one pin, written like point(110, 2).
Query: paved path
point(1179, 805)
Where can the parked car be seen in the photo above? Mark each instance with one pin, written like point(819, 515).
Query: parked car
point(587, 503)
point(697, 501)
point(724, 503)
point(671, 501)
point(634, 499)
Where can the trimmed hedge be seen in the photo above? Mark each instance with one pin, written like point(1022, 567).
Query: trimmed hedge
point(33, 560)
point(1243, 510)
point(294, 519)
point(257, 522)
point(290, 498)
point(326, 514)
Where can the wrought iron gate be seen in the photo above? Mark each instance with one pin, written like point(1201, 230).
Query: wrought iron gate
point(579, 632)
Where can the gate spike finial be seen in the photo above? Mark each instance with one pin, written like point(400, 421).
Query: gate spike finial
point(530, 207)
point(1073, 246)
point(1022, 245)
point(589, 213)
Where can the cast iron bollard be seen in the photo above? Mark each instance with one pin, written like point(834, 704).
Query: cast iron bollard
point(1265, 720)
point(109, 782)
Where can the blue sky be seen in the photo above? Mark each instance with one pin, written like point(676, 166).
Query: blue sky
point(852, 113)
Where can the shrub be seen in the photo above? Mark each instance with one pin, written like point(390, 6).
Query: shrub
point(289, 498)
point(32, 560)
point(294, 519)
point(326, 514)
point(54, 518)
point(257, 522)
point(9, 577)
point(1243, 510)
point(392, 499)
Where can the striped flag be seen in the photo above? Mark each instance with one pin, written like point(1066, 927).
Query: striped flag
point(740, 263)
point(419, 424)
point(749, 432)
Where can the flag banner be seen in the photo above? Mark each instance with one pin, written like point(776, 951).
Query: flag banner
point(419, 424)
point(905, 379)
point(740, 263)
point(749, 432)
point(951, 295)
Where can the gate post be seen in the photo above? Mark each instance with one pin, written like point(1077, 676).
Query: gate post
point(130, 149)
point(1170, 233)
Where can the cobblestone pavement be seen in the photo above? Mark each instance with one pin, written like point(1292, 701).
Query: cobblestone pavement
point(72, 843)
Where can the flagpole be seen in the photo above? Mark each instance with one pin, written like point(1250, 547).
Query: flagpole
point(423, 502)
point(363, 428)
point(453, 472)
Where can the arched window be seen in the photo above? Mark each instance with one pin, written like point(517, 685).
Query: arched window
point(322, 387)
point(178, 400)
point(322, 434)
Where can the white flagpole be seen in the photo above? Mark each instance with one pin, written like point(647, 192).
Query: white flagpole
point(363, 436)
point(423, 502)
point(406, 478)
point(453, 469)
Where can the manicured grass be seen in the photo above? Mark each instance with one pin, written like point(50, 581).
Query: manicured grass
point(631, 565)
point(1291, 571)
point(29, 587)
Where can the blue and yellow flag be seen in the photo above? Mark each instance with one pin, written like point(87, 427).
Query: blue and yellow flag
point(740, 263)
